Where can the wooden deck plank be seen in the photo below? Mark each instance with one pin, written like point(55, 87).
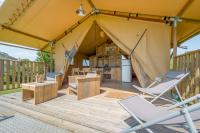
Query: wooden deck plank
point(80, 119)
point(50, 119)
point(95, 114)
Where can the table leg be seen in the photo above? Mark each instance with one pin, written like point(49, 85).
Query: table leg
point(26, 94)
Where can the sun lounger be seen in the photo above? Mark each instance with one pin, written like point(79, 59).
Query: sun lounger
point(147, 114)
point(164, 84)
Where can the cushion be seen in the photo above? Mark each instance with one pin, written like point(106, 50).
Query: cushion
point(90, 75)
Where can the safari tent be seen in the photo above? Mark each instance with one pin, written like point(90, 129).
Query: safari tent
point(145, 31)
point(106, 52)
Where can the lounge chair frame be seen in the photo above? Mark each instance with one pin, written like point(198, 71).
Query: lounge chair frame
point(185, 110)
point(155, 97)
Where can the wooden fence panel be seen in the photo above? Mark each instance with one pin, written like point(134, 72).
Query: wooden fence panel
point(1, 74)
point(17, 72)
point(189, 62)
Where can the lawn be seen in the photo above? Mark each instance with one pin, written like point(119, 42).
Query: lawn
point(10, 91)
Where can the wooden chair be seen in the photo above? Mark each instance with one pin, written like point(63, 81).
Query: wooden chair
point(84, 85)
point(55, 77)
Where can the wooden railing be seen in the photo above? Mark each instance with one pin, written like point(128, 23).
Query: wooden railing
point(13, 73)
point(189, 62)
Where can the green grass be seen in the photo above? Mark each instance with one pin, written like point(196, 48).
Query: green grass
point(10, 91)
point(171, 63)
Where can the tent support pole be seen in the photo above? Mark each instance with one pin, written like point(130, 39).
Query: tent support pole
point(23, 33)
point(174, 41)
point(92, 4)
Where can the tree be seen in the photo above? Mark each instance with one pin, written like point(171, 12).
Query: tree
point(44, 57)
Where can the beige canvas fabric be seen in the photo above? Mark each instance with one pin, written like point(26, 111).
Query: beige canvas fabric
point(50, 18)
point(151, 57)
point(74, 38)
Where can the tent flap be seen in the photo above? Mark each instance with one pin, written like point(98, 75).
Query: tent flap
point(151, 57)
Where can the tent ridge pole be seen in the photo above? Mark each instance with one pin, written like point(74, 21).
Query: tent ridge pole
point(23, 33)
point(185, 7)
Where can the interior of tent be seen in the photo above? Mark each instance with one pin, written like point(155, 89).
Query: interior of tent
point(101, 55)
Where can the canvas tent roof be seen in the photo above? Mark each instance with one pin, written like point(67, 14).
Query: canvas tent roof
point(34, 23)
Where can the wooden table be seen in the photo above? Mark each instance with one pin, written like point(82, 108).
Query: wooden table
point(40, 92)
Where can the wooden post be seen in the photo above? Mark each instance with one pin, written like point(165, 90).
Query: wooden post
point(1, 74)
point(7, 74)
point(18, 74)
point(13, 74)
point(23, 72)
point(174, 41)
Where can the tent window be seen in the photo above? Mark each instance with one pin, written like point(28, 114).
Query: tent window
point(86, 63)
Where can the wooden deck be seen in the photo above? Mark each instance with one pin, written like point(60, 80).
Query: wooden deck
point(101, 113)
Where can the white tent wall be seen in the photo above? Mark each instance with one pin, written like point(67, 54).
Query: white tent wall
point(153, 52)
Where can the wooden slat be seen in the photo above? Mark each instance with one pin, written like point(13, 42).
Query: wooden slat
point(1, 74)
point(197, 74)
point(34, 70)
point(23, 72)
point(13, 74)
point(8, 74)
point(31, 71)
point(18, 74)
point(37, 66)
point(27, 72)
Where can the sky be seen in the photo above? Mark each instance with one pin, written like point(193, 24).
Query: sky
point(192, 44)
point(19, 52)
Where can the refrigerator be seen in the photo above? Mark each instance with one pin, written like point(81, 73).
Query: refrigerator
point(126, 71)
